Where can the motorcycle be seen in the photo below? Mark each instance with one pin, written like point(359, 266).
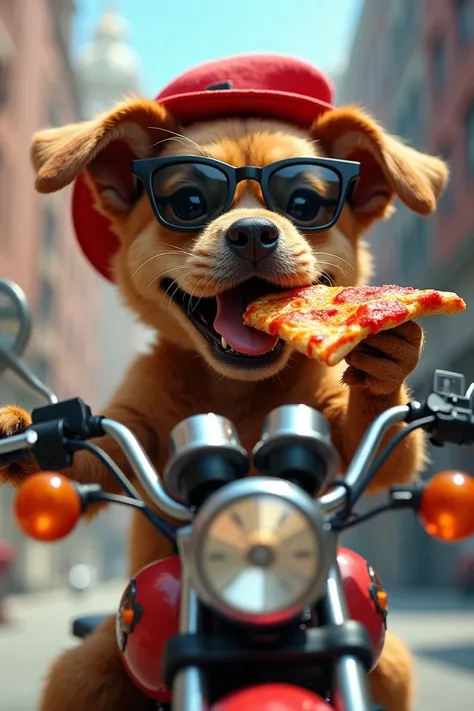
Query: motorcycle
point(259, 607)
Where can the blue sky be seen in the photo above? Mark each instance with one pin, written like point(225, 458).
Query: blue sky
point(173, 35)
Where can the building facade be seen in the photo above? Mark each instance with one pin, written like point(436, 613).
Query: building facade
point(37, 245)
point(109, 70)
point(412, 67)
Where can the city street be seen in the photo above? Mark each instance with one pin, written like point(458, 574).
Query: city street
point(443, 640)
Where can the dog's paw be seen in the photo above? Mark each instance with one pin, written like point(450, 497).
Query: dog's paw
point(13, 421)
point(382, 363)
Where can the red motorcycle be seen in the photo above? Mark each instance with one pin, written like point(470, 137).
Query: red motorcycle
point(258, 608)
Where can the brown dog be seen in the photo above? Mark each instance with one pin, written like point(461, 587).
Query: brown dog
point(186, 372)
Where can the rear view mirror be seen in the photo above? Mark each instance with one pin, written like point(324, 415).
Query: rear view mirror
point(15, 330)
point(15, 320)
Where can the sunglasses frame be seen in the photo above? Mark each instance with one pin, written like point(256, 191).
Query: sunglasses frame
point(144, 170)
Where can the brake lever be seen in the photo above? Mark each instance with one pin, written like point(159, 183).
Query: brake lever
point(453, 419)
point(451, 410)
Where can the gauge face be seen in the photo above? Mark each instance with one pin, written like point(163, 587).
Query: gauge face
point(260, 555)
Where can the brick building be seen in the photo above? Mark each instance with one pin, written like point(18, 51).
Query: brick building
point(37, 245)
point(412, 66)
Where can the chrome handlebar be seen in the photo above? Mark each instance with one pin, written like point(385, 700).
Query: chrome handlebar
point(334, 500)
point(146, 474)
point(145, 471)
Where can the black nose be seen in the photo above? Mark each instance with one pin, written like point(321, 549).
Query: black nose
point(253, 238)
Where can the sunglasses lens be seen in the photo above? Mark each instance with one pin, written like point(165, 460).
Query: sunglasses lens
point(189, 194)
point(309, 195)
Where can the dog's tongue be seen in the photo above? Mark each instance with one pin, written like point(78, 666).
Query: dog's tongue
point(229, 323)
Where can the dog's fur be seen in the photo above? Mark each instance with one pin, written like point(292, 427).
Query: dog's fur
point(180, 377)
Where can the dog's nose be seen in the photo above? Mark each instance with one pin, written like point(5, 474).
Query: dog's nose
point(253, 238)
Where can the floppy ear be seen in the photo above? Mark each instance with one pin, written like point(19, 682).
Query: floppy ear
point(103, 149)
point(388, 166)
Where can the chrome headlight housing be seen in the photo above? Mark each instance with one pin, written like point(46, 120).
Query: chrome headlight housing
point(259, 551)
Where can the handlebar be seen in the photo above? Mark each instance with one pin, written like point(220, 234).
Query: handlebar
point(144, 470)
point(334, 500)
point(148, 478)
point(18, 443)
point(60, 429)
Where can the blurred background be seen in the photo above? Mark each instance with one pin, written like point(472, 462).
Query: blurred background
point(409, 62)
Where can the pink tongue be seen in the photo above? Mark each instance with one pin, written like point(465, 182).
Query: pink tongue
point(243, 339)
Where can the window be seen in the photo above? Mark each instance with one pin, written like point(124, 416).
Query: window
point(447, 199)
point(46, 302)
point(470, 139)
point(3, 200)
point(414, 254)
point(49, 231)
point(3, 83)
point(465, 20)
point(53, 114)
point(409, 121)
point(439, 64)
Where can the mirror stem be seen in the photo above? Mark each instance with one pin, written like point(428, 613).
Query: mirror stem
point(28, 377)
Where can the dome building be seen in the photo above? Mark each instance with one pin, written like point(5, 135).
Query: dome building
point(108, 68)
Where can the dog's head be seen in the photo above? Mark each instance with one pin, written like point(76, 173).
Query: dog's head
point(199, 240)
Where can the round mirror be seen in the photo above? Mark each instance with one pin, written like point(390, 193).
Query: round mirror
point(15, 319)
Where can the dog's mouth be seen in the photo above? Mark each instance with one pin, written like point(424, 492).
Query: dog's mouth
point(219, 320)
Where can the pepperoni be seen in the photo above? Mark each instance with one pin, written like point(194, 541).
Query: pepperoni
point(432, 300)
point(359, 294)
point(313, 342)
point(297, 297)
point(294, 317)
point(376, 314)
point(305, 291)
point(323, 314)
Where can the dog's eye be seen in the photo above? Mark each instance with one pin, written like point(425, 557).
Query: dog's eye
point(303, 205)
point(188, 204)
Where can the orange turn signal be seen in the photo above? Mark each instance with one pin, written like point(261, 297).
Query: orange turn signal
point(447, 506)
point(382, 599)
point(127, 616)
point(47, 506)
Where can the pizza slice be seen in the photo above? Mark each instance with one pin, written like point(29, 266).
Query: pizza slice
point(326, 323)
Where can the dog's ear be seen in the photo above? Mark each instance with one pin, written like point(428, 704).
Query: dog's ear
point(102, 149)
point(388, 166)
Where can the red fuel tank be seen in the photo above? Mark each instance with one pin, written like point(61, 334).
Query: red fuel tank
point(149, 615)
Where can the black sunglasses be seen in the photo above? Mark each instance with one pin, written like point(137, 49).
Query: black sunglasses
point(187, 192)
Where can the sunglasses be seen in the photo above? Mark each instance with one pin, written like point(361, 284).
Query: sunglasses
point(188, 192)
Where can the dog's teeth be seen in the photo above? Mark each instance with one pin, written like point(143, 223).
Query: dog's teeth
point(224, 343)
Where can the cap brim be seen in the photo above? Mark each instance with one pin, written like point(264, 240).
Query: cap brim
point(283, 106)
point(96, 239)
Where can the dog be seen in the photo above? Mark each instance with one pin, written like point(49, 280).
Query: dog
point(190, 252)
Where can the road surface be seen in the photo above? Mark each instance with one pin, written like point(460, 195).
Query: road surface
point(437, 629)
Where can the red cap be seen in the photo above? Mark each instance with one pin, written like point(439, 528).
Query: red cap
point(266, 85)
